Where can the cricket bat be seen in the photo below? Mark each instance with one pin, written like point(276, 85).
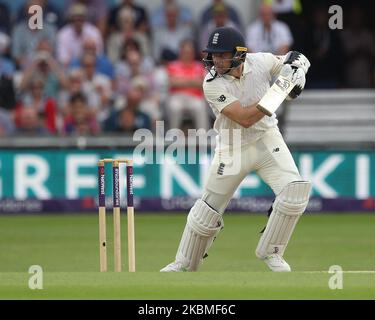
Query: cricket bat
point(277, 93)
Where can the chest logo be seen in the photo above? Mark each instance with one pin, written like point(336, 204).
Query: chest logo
point(222, 98)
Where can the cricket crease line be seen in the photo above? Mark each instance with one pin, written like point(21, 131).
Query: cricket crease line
point(347, 271)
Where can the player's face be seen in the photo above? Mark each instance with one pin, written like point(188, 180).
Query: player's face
point(222, 61)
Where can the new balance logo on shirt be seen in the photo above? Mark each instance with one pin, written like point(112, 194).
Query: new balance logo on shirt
point(220, 170)
point(222, 98)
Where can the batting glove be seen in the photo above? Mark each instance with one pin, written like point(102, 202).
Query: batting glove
point(299, 79)
point(297, 60)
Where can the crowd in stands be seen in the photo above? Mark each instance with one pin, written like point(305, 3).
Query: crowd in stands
point(95, 68)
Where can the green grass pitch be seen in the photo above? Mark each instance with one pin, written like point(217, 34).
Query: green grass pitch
point(66, 247)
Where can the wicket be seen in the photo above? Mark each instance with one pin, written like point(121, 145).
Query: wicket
point(116, 214)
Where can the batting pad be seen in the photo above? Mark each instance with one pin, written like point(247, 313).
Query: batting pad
point(289, 205)
point(203, 224)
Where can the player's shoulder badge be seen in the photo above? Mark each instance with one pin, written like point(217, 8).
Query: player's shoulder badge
point(222, 98)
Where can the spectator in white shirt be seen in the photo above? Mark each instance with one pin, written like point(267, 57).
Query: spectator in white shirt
point(70, 38)
point(268, 34)
point(167, 40)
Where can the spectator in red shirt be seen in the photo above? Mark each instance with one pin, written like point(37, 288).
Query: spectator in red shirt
point(185, 82)
point(45, 106)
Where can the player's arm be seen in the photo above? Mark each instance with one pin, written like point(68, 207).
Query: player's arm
point(245, 116)
point(227, 104)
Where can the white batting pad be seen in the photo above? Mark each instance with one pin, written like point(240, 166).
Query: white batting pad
point(289, 205)
point(203, 224)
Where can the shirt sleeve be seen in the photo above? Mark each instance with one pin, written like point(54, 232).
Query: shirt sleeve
point(273, 63)
point(217, 96)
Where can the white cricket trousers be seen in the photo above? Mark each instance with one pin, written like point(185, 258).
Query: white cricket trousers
point(269, 157)
point(180, 104)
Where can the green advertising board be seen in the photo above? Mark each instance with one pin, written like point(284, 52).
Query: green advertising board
point(69, 173)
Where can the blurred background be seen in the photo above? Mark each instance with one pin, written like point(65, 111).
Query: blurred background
point(77, 89)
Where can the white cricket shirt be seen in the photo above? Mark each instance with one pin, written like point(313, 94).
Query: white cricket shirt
point(259, 69)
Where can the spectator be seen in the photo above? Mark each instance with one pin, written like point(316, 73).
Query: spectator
point(80, 120)
point(129, 117)
point(126, 33)
point(7, 69)
point(323, 48)
point(45, 66)
point(185, 89)
point(97, 82)
point(220, 18)
point(51, 14)
point(97, 12)
point(139, 13)
point(158, 18)
point(26, 40)
point(136, 72)
point(30, 123)
point(70, 38)
point(5, 21)
point(132, 66)
point(102, 63)
point(76, 85)
point(45, 106)
point(268, 34)
point(207, 15)
point(6, 123)
point(168, 39)
point(359, 51)
point(289, 12)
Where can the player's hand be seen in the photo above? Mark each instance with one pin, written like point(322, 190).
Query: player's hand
point(299, 80)
point(297, 60)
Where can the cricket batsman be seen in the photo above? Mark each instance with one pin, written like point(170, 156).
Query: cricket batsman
point(239, 91)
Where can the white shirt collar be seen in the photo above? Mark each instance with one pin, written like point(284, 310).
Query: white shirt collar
point(246, 69)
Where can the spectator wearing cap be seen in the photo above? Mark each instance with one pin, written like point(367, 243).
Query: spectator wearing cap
point(97, 12)
point(207, 14)
point(126, 32)
point(167, 40)
point(220, 18)
point(267, 34)
point(70, 39)
point(185, 89)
